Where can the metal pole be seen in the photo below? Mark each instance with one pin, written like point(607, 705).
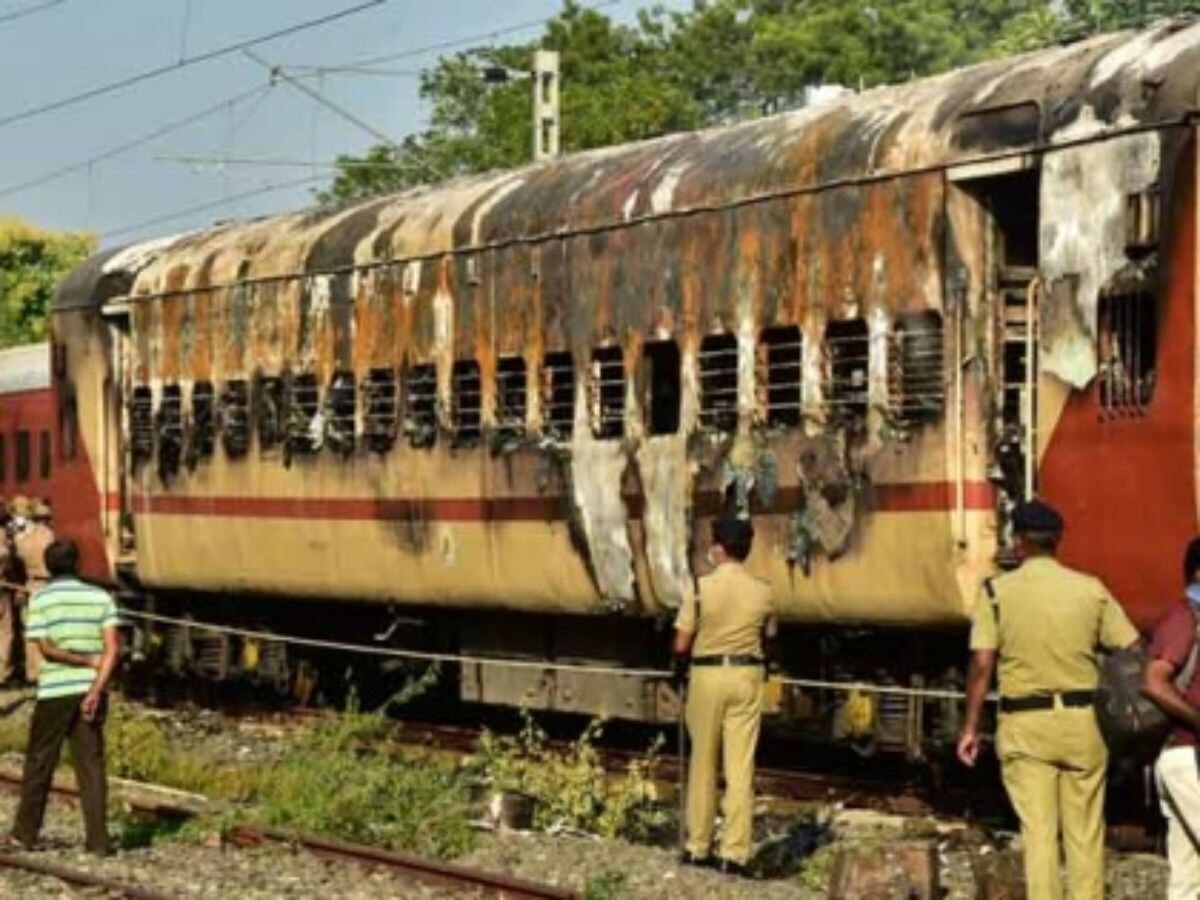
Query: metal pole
point(545, 105)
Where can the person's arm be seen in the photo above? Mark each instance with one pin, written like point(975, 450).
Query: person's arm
point(52, 651)
point(1158, 683)
point(104, 672)
point(979, 679)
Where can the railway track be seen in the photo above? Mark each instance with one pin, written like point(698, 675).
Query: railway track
point(469, 880)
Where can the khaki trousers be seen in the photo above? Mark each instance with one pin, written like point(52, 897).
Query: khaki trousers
point(1177, 771)
point(724, 710)
point(1054, 764)
point(55, 721)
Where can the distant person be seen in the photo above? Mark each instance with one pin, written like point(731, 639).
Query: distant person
point(9, 578)
point(1172, 650)
point(75, 626)
point(1044, 622)
point(31, 541)
point(721, 633)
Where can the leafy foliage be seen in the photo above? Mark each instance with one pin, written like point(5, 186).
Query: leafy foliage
point(570, 785)
point(31, 263)
point(721, 61)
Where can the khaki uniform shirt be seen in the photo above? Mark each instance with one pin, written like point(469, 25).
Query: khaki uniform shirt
point(730, 613)
point(31, 547)
point(1052, 619)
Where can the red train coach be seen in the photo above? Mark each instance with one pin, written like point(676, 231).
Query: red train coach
point(499, 413)
point(27, 422)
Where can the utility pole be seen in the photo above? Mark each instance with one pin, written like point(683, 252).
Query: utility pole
point(545, 104)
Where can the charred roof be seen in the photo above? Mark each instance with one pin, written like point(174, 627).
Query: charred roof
point(1036, 101)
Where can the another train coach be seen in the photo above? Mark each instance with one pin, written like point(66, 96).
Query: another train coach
point(27, 422)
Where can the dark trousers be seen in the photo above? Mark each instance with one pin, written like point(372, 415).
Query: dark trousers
point(53, 722)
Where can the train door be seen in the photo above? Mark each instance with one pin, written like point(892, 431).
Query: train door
point(1013, 292)
point(118, 516)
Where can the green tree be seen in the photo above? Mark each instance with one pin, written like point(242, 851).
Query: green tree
point(32, 262)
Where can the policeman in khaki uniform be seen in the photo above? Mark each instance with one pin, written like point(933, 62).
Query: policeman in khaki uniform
point(31, 542)
point(1045, 623)
point(722, 630)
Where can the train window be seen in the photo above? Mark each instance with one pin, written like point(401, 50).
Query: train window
point(343, 406)
point(381, 410)
point(847, 364)
point(780, 365)
point(558, 396)
point(202, 436)
point(235, 418)
point(23, 454)
point(303, 433)
point(511, 396)
point(661, 359)
point(268, 410)
point(170, 431)
point(68, 422)
point(3, 459)
point(420, 405)
point(606, 393)
point(916, 387)
point(466, 396)
point(719, 382)
point(141, 424)
point(44, 455)
point(1128, 350)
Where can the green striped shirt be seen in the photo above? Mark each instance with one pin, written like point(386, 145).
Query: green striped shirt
point(71, 615)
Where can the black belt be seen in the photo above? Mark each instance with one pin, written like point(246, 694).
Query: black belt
point(1046, 701)
point(728, 659)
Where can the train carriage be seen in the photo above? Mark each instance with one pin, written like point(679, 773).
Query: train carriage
point(505, 408)
point(27, 422)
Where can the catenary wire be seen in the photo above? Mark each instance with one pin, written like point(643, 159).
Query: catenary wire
point(28, 11)
point(159, 71)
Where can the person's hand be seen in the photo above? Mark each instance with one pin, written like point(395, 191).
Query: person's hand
point(968, 748)
point(90, 705)
point(679, 670)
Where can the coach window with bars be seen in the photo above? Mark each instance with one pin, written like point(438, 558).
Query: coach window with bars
point(719, 382)
point(3, 460)
point(780, 375)
point(558, 395)
point(916, 384)
point(511, 396)
point(202, 438)
point(466, 402)
point(606, 393)
point(420, 405)
point(660, 361)
point(170, 430)
point(268, 411)
point(141, 424)
point(235, 418)
point(1128, 351)
point(23, 461)
point(44, 455)
point(847, 364)
point(380, 410)
point(303, 405)
point(342, 409)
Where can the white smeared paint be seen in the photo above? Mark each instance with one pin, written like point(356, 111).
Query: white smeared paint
point(498, 193)
point(662, 198)
point(136, 257)
point(630, 206)
point(1082, 237)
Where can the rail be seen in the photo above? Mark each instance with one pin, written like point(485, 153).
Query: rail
point(77, 877)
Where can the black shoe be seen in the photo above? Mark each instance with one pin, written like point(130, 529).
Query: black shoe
point(729, 867)
point(687, 858)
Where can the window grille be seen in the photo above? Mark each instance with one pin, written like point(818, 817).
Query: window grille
point(235, 418)
point(466, 398)
point(304, 431)
point(661, 359)
point(847, 367)
point(1128, 351)
point(607, 393)
point(719, 382)
point(381, 408)
point(268, 411)
point(340, 424)
point(558, 396)
point(141, 424)
point(202, 438)
point(916, 382)
point(780, 365)
point(170, 431)
point(511, 396)
point(420, 405)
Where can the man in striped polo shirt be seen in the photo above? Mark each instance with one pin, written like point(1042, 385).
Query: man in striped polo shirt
point(75, 627)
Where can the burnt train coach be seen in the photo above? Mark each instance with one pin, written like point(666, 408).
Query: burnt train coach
point(502, 410)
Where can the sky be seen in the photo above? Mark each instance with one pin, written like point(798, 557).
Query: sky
point(64, 47)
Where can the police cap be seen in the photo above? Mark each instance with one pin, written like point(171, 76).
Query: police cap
point(1036, 516)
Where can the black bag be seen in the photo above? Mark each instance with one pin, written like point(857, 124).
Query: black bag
point(1134, 726)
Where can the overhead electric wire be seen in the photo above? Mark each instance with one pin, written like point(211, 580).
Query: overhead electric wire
point(117, 150)
point(149, 74)
point(29, 11)
point(202, 159)
point(212, 204)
